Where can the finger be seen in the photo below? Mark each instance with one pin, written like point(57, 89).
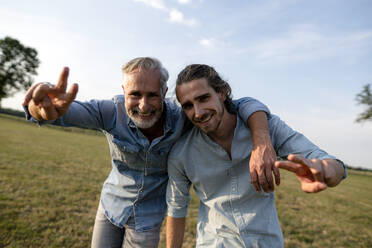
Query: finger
point(269, 179)
point(297, 159)
point(62, 80)
point(313, 187)
point(263, 182)
point(29, 93)
point(288, 165)
point(72, 92)
point(41, 91)
point(254, 181)
point(48, 110)
point(276, 175)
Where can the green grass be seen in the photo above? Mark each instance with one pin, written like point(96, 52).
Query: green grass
point(50, 182)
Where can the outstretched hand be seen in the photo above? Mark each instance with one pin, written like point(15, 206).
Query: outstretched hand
point(309, 172)
point(48, 102)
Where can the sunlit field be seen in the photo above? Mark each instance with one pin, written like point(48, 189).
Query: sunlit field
point(51, 178)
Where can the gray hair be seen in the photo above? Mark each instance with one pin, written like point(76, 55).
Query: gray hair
point(148, 63)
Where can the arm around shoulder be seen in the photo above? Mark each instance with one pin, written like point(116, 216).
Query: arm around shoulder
point(261, 164)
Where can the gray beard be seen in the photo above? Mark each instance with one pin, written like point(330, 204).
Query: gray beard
point(145, 124)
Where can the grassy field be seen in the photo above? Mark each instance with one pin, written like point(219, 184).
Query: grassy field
point(50, 181)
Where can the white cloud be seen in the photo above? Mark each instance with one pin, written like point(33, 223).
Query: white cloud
point(214, 44)
point(157, 4)
point(184, 1)
point(175, 16)
point(178, 17)
point(206, 42)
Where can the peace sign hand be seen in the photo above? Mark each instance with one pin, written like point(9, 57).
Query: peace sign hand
point(48, 102)
point(310, 173)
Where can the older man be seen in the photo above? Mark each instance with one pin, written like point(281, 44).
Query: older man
point(140, 126)
point(213, 157)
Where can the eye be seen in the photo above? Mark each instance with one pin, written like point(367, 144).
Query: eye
point(204, 98)
point(135, 94)
point(153, 94)
point(187, 106)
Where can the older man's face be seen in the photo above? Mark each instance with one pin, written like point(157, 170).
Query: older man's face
point(202, 104)
point(143, 97)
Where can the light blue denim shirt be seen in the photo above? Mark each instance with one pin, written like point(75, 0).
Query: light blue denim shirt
point(231, 212)
point(138, 179)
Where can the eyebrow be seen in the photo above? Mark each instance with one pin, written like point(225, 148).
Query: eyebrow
point(202, 96)
point(151, 93)
point(188, 103)
point(196, 98)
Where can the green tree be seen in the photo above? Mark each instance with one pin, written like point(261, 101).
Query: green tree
point(365, 98)
point(18, 64)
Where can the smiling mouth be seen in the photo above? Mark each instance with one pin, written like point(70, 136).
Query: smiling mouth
point(145, 114)
point(205, 121)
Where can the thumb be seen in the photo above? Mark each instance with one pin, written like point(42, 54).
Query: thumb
point(313, 187)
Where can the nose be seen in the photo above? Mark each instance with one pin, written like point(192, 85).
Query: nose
point(198, 112)
point(144, 105)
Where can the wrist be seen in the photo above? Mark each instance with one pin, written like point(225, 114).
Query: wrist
point(261, 138)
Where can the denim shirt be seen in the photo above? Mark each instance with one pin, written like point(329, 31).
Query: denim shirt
point(231, 212)
point(138, 179)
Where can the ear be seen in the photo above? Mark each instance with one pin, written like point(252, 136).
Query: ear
point(122, 86)
point(222, 95)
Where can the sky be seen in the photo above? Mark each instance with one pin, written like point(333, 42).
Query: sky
point(306, 60)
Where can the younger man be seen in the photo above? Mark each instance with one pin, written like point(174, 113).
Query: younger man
point(213, 156)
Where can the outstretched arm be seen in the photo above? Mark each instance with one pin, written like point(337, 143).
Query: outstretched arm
point(175, 232)
point(314, 174)
point(48, 102)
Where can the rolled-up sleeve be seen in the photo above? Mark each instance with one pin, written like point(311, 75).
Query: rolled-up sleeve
point(178, 189)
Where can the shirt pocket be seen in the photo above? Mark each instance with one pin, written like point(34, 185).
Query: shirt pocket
point(128, 154)
point(158, 160)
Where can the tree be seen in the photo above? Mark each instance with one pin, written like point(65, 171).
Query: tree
point(18, 64)
point(365, 97)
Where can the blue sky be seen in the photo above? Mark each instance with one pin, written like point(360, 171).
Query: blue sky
point(305, 59)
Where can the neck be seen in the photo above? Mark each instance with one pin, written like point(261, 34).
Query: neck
point(225, 133)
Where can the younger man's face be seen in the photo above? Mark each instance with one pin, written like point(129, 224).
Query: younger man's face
point(202, 104)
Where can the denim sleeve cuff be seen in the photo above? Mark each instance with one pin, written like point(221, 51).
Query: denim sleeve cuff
point(176, 212)
point(343, 165)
